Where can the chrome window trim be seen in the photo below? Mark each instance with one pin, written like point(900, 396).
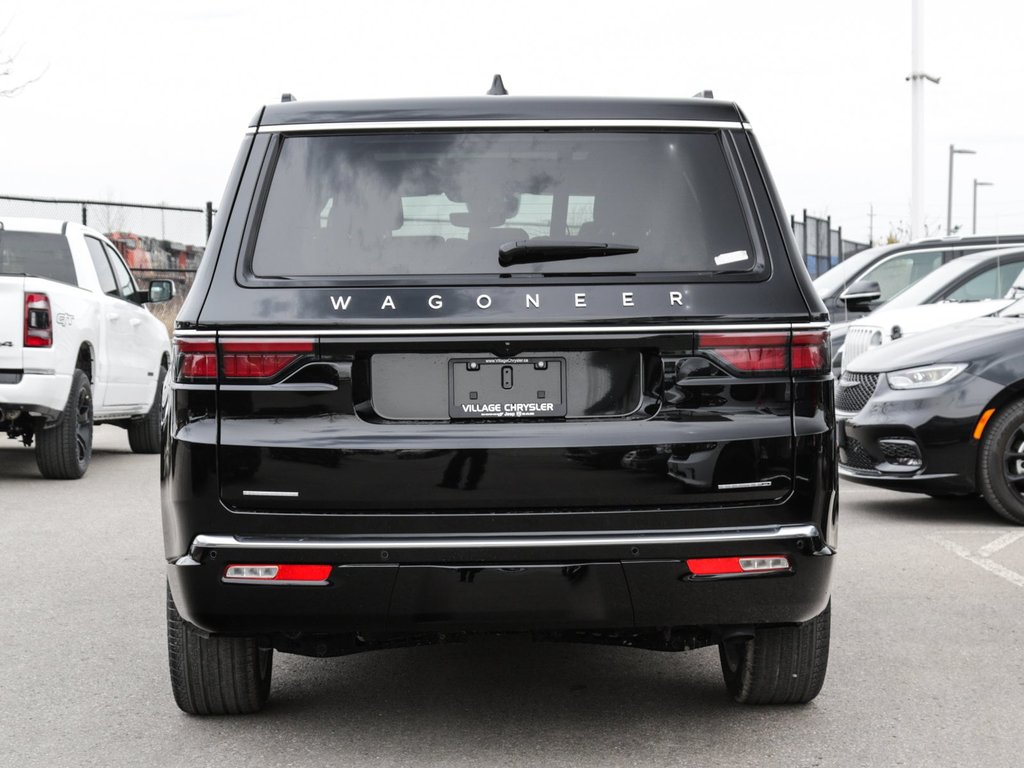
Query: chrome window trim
point(324, 543)
point(505, 330)
point(415, 125)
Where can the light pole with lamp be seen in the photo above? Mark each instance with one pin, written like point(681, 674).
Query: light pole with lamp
point(949, 197)
point(974, 217)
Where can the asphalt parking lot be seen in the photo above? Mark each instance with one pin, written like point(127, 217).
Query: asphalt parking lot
point(926, 668)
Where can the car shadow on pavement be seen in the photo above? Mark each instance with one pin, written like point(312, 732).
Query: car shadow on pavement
point(490, 698)
point(918, 508)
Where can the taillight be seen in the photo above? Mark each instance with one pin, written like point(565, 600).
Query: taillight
point(810, 352)
point(195, 360)
point(38, 321)
point(202, 361)
point(258, 359)
point(770, 352)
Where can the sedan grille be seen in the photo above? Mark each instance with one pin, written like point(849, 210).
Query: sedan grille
point(855, 389)
point(858, 341)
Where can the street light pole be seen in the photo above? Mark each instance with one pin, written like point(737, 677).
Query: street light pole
point(917, 78)
point(949, 196)
point(974, 217)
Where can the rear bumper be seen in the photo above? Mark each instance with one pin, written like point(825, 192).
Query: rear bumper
point(384, 585)
point(38, 394)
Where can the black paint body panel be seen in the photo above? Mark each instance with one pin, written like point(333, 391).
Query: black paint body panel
point(940, 420)
point(357, 438)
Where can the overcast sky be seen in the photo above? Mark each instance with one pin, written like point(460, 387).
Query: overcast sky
point(147, 101)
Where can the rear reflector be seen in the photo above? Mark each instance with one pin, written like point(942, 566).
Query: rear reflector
point(774, 352)
point(38, 323)
point(720, 566)
point(277, 572)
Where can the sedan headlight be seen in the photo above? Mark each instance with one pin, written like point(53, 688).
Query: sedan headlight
point(925, 376)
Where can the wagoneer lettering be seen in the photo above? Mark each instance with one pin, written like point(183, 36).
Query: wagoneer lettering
point(496, 365)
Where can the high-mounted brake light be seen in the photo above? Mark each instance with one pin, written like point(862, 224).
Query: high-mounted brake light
point(277, 573)
point(771, 352)
point(722, 566)
point(38, 320)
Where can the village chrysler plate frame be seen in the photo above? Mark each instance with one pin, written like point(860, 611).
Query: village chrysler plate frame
point(506, 388)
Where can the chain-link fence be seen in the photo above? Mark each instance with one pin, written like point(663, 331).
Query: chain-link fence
point(165, 241)
point(152, 238)
point(168, 240)
point(822, 246)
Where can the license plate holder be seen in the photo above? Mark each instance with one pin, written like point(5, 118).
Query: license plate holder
point(506, 388)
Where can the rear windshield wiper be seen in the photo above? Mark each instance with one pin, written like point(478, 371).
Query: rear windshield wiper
point(537, 250)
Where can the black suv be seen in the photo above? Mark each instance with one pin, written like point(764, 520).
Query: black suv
point(499, 364)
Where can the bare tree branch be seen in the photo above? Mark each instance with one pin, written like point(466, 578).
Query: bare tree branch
point(7, 69)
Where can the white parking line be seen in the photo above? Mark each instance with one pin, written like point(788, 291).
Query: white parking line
point(1003, 541)
point(982, 560)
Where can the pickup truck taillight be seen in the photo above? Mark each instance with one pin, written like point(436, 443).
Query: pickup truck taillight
point(38, 320)
point(801, 352)
point(237, 360)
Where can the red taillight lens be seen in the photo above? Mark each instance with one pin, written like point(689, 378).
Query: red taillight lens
point(748, 352)
point(195, 360)
point(261, 359)
point(774, 352)
point(721, 566)
point(810, 352)
point(243, 359)
point(38, 320)
point(277, 573)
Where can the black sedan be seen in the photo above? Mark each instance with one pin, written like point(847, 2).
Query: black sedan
point(941, 413)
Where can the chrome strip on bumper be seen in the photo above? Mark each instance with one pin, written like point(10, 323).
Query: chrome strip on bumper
point(341, 543)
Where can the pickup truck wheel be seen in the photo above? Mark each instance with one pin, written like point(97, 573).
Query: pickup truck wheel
point(64, 449)
point(1001, 463)
point(780, 665)
point(213, 675)
point(144, 434)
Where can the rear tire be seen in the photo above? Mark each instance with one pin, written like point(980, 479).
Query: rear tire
point(1001, 463)
point(144, 433)
point(213, 675)
point(63, 451)
point(780, 665)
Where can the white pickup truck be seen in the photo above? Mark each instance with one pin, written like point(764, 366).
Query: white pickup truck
point(77, 346)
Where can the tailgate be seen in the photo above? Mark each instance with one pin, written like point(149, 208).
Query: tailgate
point(538, 425)
point(12, 320)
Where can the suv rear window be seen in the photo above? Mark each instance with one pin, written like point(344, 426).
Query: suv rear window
point(441, 203)
point(38, 254)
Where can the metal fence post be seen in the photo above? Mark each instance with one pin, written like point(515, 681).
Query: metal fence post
point(85, 215)
point(804, 251)
point(209, 218)
point(828, 245)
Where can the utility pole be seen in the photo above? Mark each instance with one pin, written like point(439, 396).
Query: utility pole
point(917, 78)
point(871, 224)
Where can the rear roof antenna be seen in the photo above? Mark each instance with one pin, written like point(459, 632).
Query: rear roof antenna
point(704, 95)
point(497, 87)
point(286, 97)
